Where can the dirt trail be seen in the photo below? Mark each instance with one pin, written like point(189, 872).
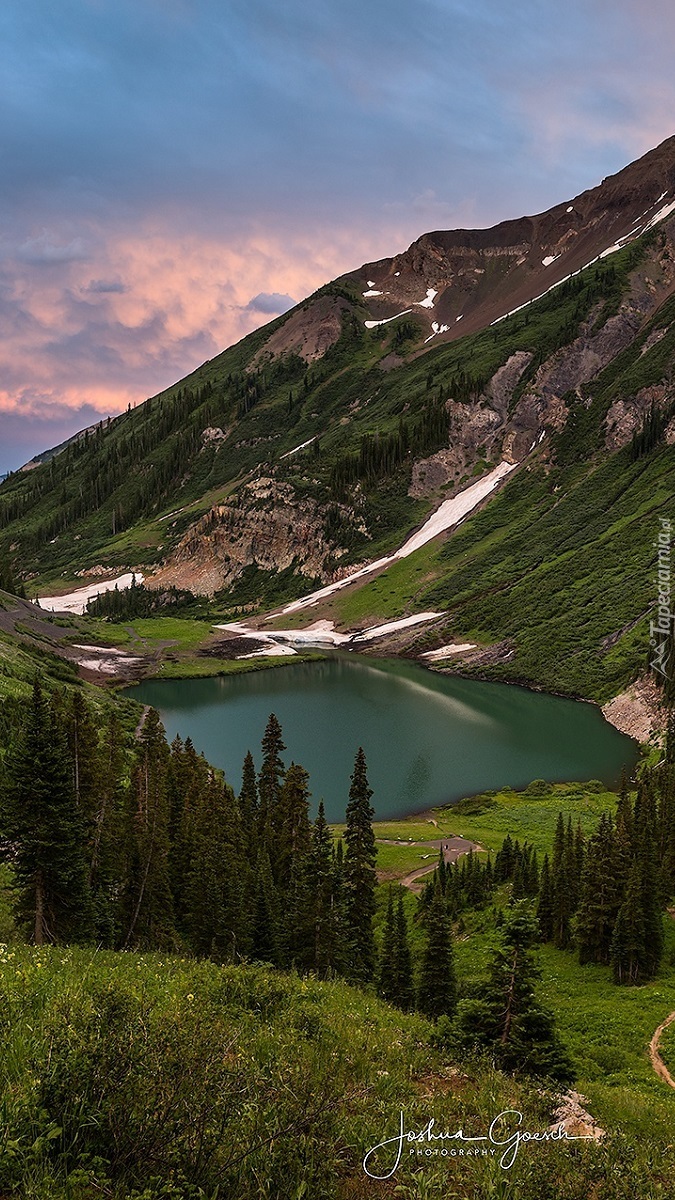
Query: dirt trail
point(453, 848)
point(656, 1060)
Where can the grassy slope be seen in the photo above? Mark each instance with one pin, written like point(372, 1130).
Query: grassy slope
point(270, 1086)
point(342, 397)
point(486, 819)
point(558, 545)
point(606, 1028)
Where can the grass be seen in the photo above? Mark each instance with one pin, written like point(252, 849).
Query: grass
point(145, 1076)
point(530, 815)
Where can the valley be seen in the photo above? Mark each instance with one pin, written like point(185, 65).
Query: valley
point(381, 575)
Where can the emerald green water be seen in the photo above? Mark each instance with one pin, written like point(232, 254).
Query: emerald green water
point(429, 739)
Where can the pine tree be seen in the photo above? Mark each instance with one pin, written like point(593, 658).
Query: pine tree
point(265, 933)
point(545, 902)
point(106, 836)
point(601, 891)
point(405, 992)
point(215, 918)
point(270, 783)
point(323, 917)
point(44, 822)
point(437, 992)
point(291, 867)
point(248, 804)
point(628, 933)
point(562, 887)
point(506, 1017)
point(387, 970)
point(150, 913)
point(359, 873)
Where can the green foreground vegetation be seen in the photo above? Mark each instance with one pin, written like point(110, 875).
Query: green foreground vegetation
point(148, 1075)
point(152, 1076)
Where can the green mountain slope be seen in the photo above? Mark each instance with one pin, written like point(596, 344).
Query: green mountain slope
point(321, 440)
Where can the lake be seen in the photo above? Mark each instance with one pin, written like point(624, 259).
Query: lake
point(429, 739)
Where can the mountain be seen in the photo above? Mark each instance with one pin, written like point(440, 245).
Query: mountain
point(319, 442)
point(479, 275)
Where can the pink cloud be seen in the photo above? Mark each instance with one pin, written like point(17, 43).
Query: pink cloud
point(146, 308)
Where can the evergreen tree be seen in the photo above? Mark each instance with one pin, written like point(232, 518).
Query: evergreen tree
point(545, 902)
point(270, 783)
point(215, 917)
point(106, 835)
point(324, 916)
point(627, 951)
point(405, 992)
point(437, 992)
point(562, 887)
point(359, 873)
point(150, 914)
point(48, 830)
point(265, 934)
point(291, 867)
point(601, 891)
point(506, 1017)
point(387, 972)
point(248, 804)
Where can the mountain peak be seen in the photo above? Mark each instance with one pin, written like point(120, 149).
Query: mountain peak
point(459, 281)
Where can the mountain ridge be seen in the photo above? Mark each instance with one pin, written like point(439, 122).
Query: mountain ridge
point(319, 441)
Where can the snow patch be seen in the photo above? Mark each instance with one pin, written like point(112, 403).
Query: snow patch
point(76, 602)
point(550, 258)
point(370, 282)
point(450, 513)
point(448, 651)
point(374, 324)
point(428, 302)
point(300, 447)
point(436, 328)
point(367, 295)
point(459, 317)
point(570, 209)
point(661, 214)
point(397, 273)
point(378, 631)
point(320, 634)
point(273, 651)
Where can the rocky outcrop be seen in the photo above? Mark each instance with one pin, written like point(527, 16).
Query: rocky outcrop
point(481, 275)
point(267, 526)
point(309, 331)
point(625, 416)
point(639, 711)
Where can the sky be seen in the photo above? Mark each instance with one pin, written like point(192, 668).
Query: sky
point(177, 172)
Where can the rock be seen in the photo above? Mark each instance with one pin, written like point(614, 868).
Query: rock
point(575, 1119)
point(639, 711)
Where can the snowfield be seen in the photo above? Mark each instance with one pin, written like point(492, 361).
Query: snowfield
point(76, 602)
point(450, 513)
point(447, 651)
point(322, 634)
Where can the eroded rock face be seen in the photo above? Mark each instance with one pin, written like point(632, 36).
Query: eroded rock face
point(480, 428)
point(625, 417)
point(267, 526)
point(309, 331)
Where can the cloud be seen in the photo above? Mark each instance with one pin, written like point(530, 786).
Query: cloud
point(175, 173)
point(101, 287)
point(273, 303)
point(45, 250)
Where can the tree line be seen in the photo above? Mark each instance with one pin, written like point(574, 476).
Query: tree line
point(123, 841)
